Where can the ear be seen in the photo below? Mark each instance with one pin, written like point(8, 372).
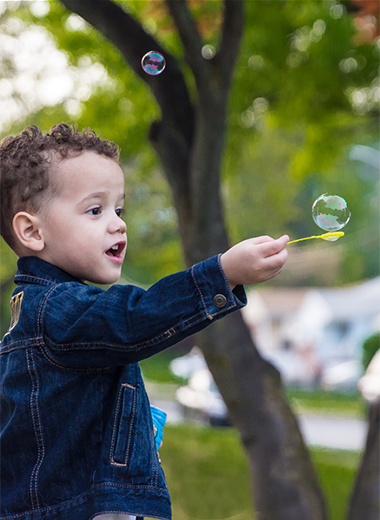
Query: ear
point(28, 230)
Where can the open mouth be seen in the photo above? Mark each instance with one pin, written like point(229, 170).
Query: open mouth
point(116, 250)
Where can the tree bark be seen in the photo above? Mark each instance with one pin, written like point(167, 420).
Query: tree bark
point(189, 141)
point(365, 500)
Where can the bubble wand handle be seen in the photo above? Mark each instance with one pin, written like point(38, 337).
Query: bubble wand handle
point(326, 236)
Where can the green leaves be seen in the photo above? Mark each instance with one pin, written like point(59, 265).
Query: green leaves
point(304, 91)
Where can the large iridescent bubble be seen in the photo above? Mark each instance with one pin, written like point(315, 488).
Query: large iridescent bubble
point(331, 212)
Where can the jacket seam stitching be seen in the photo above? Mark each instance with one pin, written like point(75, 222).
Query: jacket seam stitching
point(136, 346)
point(113, 462)
point(114, 424)
point(36, 418)
point(42, 308)
point(209, 316)
point(29, 278)
point(21, 343)
point(46, 355)
point(225, 277)
point(126, 460)
point(113, 346)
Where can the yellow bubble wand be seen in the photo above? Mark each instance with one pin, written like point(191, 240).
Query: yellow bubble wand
point(331, 237)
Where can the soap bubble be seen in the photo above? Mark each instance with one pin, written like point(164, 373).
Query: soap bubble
point(208, 52)
point(331, 212)
point(153, 63)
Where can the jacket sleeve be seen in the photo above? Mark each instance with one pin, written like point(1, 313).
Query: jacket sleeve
point(87, 327)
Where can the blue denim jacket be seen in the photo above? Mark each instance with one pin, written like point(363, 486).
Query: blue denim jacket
point(76, 429)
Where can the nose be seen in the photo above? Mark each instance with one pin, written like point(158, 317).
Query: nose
point(117, 225)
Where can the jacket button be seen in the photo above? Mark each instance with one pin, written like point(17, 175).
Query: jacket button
point(219, 300)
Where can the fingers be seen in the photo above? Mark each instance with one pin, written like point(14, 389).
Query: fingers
point(261, 240)
point(274, 247)
point(276, 255)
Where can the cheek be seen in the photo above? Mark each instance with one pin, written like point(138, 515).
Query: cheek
point(56, 232)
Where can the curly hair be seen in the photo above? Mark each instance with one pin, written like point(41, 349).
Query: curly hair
point(26, 183)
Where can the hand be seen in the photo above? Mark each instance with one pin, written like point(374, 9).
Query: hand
point(254, 260)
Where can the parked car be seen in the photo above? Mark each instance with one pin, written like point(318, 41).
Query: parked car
point(342, 374)
point(201, 400)
point(185, 365)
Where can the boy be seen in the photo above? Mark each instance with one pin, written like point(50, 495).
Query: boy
point(77, 435)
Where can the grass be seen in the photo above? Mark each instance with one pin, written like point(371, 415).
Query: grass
point(207, 470)
point(336, 470)
point(208, 474)
point(328, 403)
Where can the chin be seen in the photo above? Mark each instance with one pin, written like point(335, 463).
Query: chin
point(102, 274)
point(103, 280)
point(96, 281)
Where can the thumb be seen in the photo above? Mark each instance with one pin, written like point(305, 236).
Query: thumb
point(275, 246)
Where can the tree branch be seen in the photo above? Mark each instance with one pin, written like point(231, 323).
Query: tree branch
point(191, 40)
point(213, 76)
point(129, 37)
point(171, 137)
point(232, 31)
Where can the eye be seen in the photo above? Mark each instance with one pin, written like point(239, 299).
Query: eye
point(119, 211)
point(94, 211)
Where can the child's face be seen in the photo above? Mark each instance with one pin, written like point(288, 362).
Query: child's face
point(83, 232)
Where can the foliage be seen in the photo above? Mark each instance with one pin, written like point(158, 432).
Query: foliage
point(370, 347)
point(203, 464)
point(292, 119)
point(119, 107)
point(152, 225)
point(7, 272)
point(303, 92)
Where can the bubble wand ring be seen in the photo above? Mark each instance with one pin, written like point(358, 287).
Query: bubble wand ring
point(331, 237)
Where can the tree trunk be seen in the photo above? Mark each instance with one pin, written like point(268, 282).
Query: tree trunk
point(365, 500)
point(284, 483)
point(189, 141)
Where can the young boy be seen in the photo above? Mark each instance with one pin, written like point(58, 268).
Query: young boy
point(76, 434)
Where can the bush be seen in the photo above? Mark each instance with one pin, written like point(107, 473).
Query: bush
point(370, 347)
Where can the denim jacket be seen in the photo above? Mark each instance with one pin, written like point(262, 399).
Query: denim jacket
point(76, 428)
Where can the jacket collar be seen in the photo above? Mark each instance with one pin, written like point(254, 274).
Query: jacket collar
point(31, 269)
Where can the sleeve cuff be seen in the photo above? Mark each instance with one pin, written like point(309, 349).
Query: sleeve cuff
point(214, 289)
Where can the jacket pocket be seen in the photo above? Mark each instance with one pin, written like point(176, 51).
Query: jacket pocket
point(132, 445)
point(125, 416)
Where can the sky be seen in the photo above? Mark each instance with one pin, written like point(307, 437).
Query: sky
point(41, 75)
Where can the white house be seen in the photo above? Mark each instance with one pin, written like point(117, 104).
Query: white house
point(315, 335)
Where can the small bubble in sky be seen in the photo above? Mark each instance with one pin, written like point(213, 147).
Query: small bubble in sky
point(330, 212)
point(153, 63)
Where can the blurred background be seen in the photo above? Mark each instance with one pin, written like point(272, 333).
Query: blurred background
point(302, 121)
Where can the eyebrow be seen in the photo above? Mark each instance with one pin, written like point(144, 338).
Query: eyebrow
point(99, 195)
